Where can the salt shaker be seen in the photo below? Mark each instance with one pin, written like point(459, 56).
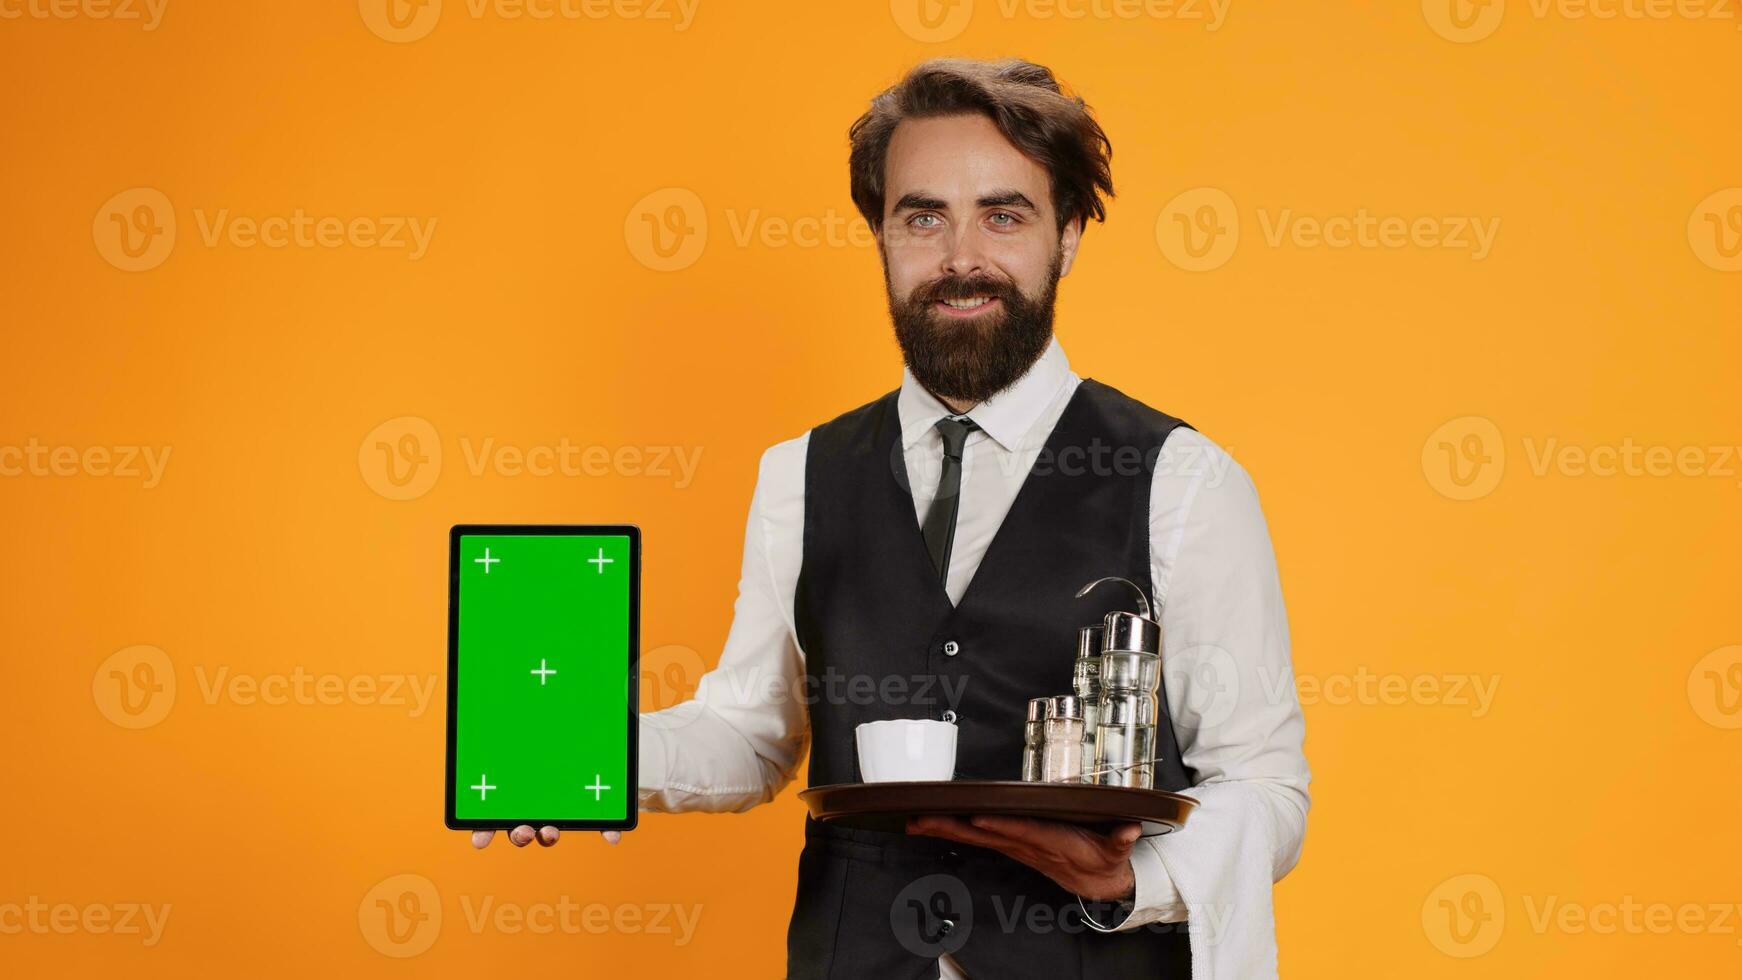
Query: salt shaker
point(1130, 688)
point(1061, 754)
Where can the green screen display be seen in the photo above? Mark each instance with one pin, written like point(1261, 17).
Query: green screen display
point(542, 709)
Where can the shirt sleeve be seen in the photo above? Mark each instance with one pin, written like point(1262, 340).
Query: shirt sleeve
point(738, 741)
point(1230, 690)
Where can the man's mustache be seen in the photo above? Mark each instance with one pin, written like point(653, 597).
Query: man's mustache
point(956, 288)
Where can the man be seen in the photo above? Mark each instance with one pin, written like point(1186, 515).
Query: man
point(936, 537)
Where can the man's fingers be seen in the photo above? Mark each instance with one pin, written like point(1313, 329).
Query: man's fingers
point(520, 836)
point(963, 832)
point(1055, 836)
point(1056, 841)
point(524, 835)
point(1020, 828)
point(950, 827)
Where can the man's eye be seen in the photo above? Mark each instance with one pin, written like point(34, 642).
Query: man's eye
point(1004, 219)
point(920, 220)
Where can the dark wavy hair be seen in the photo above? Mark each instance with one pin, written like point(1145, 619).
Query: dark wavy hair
point(1027, 105)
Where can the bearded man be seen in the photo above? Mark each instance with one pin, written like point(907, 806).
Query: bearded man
point(938, 536)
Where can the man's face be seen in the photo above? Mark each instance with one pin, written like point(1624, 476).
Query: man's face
point(972, 254)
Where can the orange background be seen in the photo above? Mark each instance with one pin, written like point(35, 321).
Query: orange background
point(1605, 769)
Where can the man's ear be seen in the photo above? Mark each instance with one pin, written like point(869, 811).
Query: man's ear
point(1069, 239)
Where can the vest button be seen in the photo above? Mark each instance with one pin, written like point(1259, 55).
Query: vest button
point(950, 715)
point(951, 648)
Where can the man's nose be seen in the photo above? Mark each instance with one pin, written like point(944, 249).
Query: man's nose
point(966, 256)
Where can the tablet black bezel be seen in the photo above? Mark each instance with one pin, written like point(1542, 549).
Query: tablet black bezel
point(633, 533)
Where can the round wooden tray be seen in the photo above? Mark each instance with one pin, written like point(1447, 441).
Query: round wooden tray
point(888, 805)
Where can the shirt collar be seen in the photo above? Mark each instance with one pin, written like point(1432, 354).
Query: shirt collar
point(1005, 417)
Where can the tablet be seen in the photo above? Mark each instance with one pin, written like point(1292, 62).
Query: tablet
point(543, 641)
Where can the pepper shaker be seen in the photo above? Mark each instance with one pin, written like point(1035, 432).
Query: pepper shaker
point(1033, 737)
point(1086, 681)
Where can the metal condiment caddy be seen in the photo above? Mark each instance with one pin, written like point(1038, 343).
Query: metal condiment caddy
point(1103, 732)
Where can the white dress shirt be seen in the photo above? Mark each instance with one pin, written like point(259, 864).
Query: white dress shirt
point(1225, 649)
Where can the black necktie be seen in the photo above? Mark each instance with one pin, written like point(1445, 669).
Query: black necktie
point(939, 529)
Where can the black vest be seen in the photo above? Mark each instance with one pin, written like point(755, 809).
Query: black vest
point(875, 623)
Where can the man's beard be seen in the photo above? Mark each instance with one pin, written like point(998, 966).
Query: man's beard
point(973, 359)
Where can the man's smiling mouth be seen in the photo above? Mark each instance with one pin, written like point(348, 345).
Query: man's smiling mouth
point(970, 306)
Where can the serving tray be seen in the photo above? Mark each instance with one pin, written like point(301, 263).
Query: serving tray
point(886, 806)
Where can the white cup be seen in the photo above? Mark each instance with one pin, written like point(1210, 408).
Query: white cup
point(906, 750)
